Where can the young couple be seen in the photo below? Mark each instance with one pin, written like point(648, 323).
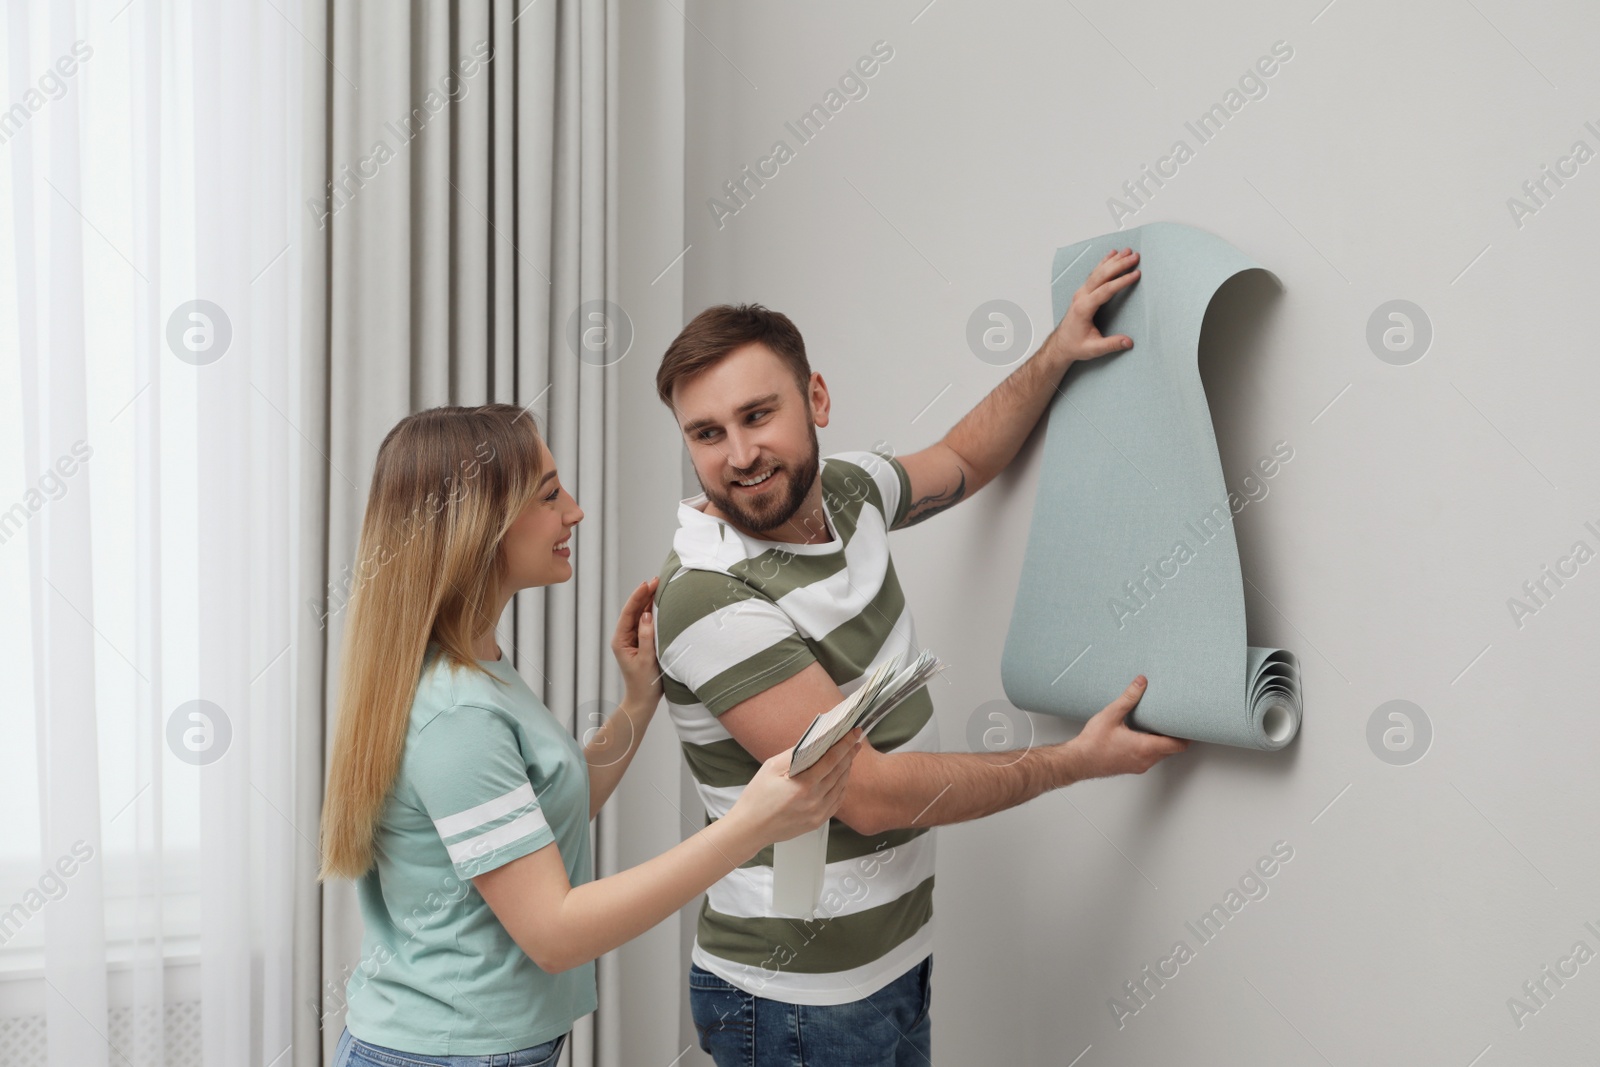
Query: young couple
point(461, 805)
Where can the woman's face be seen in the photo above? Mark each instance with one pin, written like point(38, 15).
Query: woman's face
point(536, 548)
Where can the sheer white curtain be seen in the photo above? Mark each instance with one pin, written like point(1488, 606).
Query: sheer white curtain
point(149, 456)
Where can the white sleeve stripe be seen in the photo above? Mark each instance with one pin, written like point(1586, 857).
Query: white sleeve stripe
point(485, 843)
point(724, 639)
point(888, 486)
point(489, 811)
point(881, 471)
point(696, 725)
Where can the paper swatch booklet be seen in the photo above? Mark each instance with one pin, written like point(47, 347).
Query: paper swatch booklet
point(882, 693)
point(799, 865)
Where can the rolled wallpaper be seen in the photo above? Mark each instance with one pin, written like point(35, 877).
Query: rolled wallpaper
point(1132, 566)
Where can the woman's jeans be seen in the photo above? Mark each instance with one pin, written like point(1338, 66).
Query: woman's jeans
point(353, 1052)
point(888, 1029)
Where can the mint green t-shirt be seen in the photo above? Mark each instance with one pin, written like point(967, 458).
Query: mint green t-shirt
point(488, 775)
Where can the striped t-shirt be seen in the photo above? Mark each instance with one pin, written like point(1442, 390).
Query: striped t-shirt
point(736, 615)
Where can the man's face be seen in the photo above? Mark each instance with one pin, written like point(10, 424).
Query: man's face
point(743, 419)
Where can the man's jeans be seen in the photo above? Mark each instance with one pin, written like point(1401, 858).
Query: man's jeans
point(888, 1029)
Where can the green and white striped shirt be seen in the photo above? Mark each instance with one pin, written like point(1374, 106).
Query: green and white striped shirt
point(736, 615)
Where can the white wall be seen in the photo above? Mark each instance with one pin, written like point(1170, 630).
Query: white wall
point(1420, 498)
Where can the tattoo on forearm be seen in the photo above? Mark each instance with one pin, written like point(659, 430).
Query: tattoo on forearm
point(934, 503)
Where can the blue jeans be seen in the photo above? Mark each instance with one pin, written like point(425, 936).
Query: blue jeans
point(354, 1052)
point(888, 1029)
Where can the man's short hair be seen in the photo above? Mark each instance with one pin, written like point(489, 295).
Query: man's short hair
point(720, 330)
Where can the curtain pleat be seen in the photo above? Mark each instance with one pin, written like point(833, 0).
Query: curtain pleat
point(314, 582)
point(149, 1045)
point(55, 414)
point(222, 429)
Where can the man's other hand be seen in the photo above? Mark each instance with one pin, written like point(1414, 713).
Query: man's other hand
point(1107, 745)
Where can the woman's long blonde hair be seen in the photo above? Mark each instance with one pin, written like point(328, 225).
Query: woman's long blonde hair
point(447, 484)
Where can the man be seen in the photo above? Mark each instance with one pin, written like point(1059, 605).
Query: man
point(778, 599)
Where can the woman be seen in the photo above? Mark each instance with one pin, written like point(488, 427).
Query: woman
point(458, 800)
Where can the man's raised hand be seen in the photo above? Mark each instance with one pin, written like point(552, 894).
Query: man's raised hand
point(1076, 336)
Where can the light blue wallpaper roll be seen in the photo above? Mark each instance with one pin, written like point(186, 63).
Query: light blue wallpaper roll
point(1132, 566)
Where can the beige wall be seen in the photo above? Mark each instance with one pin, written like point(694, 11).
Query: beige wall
point(1378, 165)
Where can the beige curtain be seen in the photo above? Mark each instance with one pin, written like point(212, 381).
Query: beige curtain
point(460, 236)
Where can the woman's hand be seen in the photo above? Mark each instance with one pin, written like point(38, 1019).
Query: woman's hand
point(634, 645)
point(778, 807)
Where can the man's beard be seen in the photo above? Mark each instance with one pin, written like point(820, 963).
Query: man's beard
point(760, 514)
